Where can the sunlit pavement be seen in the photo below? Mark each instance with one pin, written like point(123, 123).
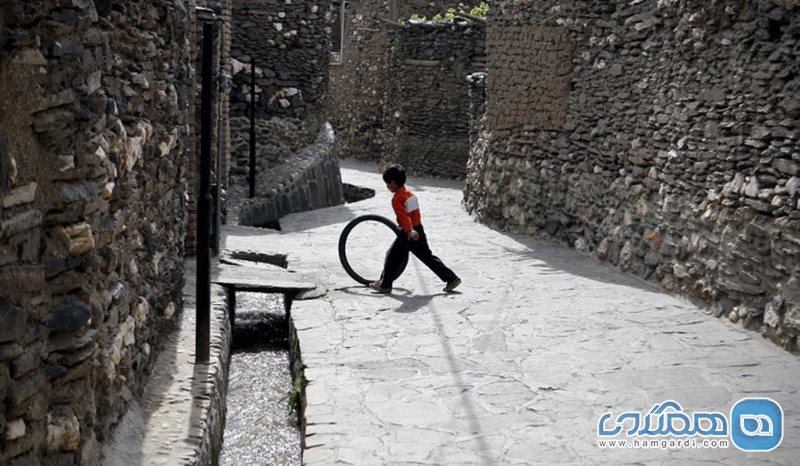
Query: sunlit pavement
point(518, 366)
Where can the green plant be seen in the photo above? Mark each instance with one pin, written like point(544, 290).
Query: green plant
point(296, 393)
point(480, 11)
point(448, 16)
point(415, 17)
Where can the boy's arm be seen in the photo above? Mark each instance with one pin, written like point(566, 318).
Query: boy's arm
point(402, 217)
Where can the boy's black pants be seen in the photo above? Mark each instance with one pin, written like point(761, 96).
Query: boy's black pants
point(399, 251)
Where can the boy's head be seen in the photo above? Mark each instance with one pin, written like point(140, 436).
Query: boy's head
point(394, 177)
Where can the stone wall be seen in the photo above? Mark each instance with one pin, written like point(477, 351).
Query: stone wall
point(92, 179)
point(357, 98)
point(291, 44)
point(310, 180)
point(427, 99)
point(659, 135)
point(277, 141)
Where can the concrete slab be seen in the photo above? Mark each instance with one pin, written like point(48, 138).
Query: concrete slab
point(519, 365)
point(265, 279)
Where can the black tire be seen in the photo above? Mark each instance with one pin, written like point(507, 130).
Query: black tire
point(343, 243)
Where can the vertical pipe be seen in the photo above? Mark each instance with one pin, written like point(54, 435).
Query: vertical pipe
point(202, 337)
point(341, 31)
point(253, 126)
point(218, 168)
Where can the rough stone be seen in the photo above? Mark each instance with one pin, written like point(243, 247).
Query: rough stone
point(10, 351)
point(22, 195)
point(13, 320)
point(786, 166)
point(15, 429)
point(63, 432)
point(21, 222)
point(80, 238)
point(69, 315)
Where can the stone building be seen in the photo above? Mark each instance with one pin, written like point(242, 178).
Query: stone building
point(290, 41)
point(93, 173)
point(427, 104)
point(358, 100)
point(661, 136)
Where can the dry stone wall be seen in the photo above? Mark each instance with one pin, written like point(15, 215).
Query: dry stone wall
point(358, 88)
point(662, 136)
point(93, 98)
point(277, 141)
point(309, 180)
point(427, 99)
point(290, 40)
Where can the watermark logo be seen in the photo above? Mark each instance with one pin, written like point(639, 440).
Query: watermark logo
point(756, 424)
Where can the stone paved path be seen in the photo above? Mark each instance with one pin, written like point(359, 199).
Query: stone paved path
point(515, 369)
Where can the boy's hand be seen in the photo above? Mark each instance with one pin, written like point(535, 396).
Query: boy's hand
point(413, 235)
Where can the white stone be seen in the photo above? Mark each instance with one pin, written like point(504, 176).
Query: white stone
point(129, 338)
point(30, 57)
point(679, 270)
point(236, 66)
point(94, 82)
point(771, 317)
point(15, 429)
point(278, 26)
point(108, 190)
point(65, 163)
point(751, 190)
point(169, 311)
point(141, 311)
point(22, 195)
point(140, 80)
point(792, 185)
point(81, 239)
point(100, 153)
point(63, 432)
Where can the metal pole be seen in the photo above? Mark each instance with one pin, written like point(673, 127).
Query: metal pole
point(218, 175)
point(202, 337)
point(253, 126)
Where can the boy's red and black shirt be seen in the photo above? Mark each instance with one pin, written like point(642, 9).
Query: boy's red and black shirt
point(406, 209)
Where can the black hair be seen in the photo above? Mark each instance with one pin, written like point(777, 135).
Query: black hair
point(395, 173)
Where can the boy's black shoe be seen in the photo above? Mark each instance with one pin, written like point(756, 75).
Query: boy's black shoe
point(451, 285)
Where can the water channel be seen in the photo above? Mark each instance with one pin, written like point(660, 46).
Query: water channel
point(260, 428)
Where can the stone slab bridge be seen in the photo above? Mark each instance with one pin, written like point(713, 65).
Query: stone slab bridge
point(518, 367)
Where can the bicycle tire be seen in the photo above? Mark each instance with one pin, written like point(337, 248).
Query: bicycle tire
point(343, 244)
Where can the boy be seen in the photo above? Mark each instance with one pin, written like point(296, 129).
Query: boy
point(406, 208)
